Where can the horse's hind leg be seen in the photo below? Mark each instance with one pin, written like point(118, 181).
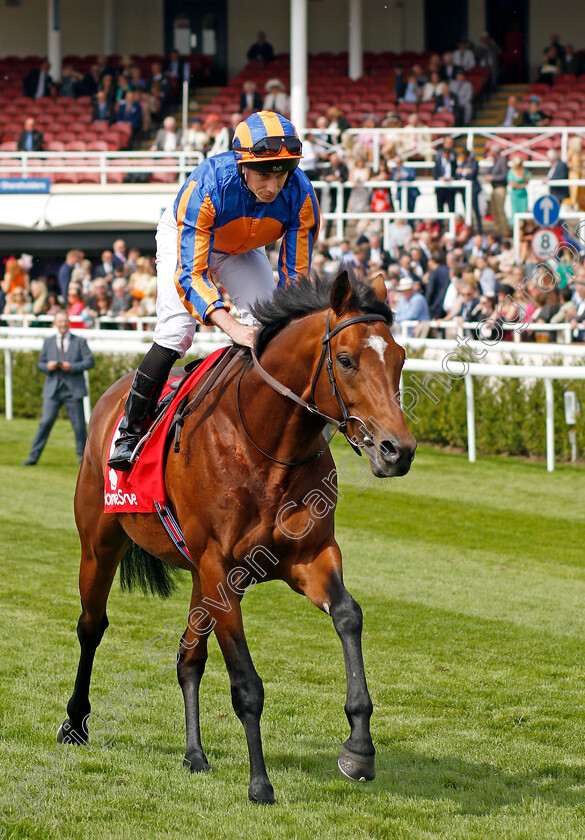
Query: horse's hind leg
point(99, 560)
point(190, 668)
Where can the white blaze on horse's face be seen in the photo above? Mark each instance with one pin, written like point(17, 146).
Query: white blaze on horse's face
point(377, 343)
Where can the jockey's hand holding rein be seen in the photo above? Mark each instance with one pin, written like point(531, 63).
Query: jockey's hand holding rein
point(241, 334)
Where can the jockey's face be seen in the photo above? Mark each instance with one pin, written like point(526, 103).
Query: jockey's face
point(265, 186)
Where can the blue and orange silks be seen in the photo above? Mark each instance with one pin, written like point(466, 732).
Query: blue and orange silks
point(216, 212)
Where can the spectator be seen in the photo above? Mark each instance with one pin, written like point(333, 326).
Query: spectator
point(103, 108)
point(276, 98)
point(64, 358)
point(517, 181)
point(486, 276)
point(381, 198)
point(30, 140)
point(335, 172)
point(468, 170)
point(173, 67)
point(437, 283)
point(196, 139)
point(445, 170)
point(463, 57)
point(513, 115)
point(576, 171)
point(38, 83)
point(167, 139)
point(498, 176)
point(534, 116)
point(136, 80)
point(142, 284)
point(398, 236)
point(559, 171)
point(432, 87)
point(412, 305)
point(261, 50)
point(411, 92)
point(39, 295)
point(75, 306)
point(71, 82)
point(550, 67)
point(250, 98)
point(120, 255)
point(17, 302)
point(106, 266)
point(122, 299)
point(417, 143)
point(16, 274)
point(122, 88)
point(567, 310)
point(159, 86)
point(359, 196)
point(390, 141)
point(401, 174)
point(462, 90)
point(448, 69)
point(130, 111)
point(64, 275)
point(571, 61)
point(378, 256)
point(219, 136)
point(308, 162)
point(92, 80)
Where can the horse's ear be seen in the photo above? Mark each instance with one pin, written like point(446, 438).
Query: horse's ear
point(379, 287)
point(341, 292)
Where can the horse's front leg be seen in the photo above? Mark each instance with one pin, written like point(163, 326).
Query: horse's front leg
point(322, 582)
point(225, 615)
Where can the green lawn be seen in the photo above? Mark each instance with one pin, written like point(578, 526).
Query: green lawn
point(472, 582)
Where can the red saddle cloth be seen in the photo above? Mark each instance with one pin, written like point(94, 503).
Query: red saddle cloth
point(137, 491)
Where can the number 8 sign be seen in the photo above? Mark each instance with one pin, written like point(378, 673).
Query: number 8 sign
point(544, 243)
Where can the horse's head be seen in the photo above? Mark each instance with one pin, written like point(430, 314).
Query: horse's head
point(365, 368)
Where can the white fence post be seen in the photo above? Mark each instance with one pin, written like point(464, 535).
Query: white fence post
point(470, 401)
point(550, 425)
point(8, 382)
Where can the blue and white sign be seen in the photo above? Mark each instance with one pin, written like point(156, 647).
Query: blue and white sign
point(546, 210)
point(25, 185)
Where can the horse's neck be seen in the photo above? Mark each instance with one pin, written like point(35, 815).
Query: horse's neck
point(278, 424)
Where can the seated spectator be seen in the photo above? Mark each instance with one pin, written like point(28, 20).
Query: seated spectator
point(92, 81)
point(130, 111)
point(250, 98)
point(400, 174)
point(432, 87)
point(448, 69)
point(196, 139)
point(462, 90)
point(103, 109)
point(136, 80)
point(261, 50)
point(534, 116)
point(550, 67)
point(159, 86)
point(412, 305)
point(567, 310)
point(276, 98)
point(571, 61)
point(219, 136)
point(167, 139)
point(309, 160)
point(463, 57)
point(122, 88)
point(411, 91)
point(122, 299)
point(417, 143)
point(18, 302)
point(30, 140)
point(37, 82)
point(391, 140)
point(108, 86)
point(71, 82)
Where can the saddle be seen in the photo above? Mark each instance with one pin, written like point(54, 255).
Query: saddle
point(142, 489)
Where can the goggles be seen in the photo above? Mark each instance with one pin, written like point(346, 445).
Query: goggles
point(268, 146)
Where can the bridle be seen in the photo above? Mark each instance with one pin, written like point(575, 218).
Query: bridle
point(325, 357)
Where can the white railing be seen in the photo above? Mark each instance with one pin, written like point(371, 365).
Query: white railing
point(563, 330)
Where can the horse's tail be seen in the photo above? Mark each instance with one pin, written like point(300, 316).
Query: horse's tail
point(141, 570)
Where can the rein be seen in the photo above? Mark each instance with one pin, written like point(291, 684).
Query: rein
point(339, 425)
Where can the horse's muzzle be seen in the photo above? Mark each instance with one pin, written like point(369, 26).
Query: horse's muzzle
point(391, 457)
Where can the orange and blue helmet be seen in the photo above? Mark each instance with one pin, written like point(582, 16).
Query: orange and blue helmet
point(267, 142)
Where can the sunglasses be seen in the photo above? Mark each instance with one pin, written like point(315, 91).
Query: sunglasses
point(274, 145)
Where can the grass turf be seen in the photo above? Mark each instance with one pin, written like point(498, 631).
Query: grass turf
point(472, 582)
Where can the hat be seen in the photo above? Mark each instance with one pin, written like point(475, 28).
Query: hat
point(405, 285)
point(273, 83)
point(535, 99)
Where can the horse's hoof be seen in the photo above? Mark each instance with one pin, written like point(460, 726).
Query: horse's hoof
point(67, 734)
point(261, 793)
point(197, 763)
point(360, 768)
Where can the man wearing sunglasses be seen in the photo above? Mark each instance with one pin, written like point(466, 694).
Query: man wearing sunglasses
point(231, 206)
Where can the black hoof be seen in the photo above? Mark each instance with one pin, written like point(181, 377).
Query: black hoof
point(360, 768)
point(261, 793)
point(197, 762)
point(67, 734)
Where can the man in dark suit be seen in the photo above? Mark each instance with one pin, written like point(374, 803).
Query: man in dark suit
point(250, 98)
point(30, 140)
point(468, 170)
point(400, 174)
point(64, 358)
point(445, 167)
point(559, 171)
point(37, 82)
point(262, 50)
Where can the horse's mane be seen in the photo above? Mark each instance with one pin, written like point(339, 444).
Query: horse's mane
point(307, 295)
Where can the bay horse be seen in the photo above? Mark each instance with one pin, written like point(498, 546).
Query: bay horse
point(242, 487)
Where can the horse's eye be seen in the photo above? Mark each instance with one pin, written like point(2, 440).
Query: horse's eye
point(345, 361)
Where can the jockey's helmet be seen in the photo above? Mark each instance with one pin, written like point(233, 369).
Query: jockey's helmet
point(267, 142)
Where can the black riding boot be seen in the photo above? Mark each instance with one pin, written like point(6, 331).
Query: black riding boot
point(141, 403)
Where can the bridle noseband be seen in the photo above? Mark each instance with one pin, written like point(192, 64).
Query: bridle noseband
point(339, 425)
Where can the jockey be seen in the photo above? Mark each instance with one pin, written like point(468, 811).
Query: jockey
point(231, 207)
